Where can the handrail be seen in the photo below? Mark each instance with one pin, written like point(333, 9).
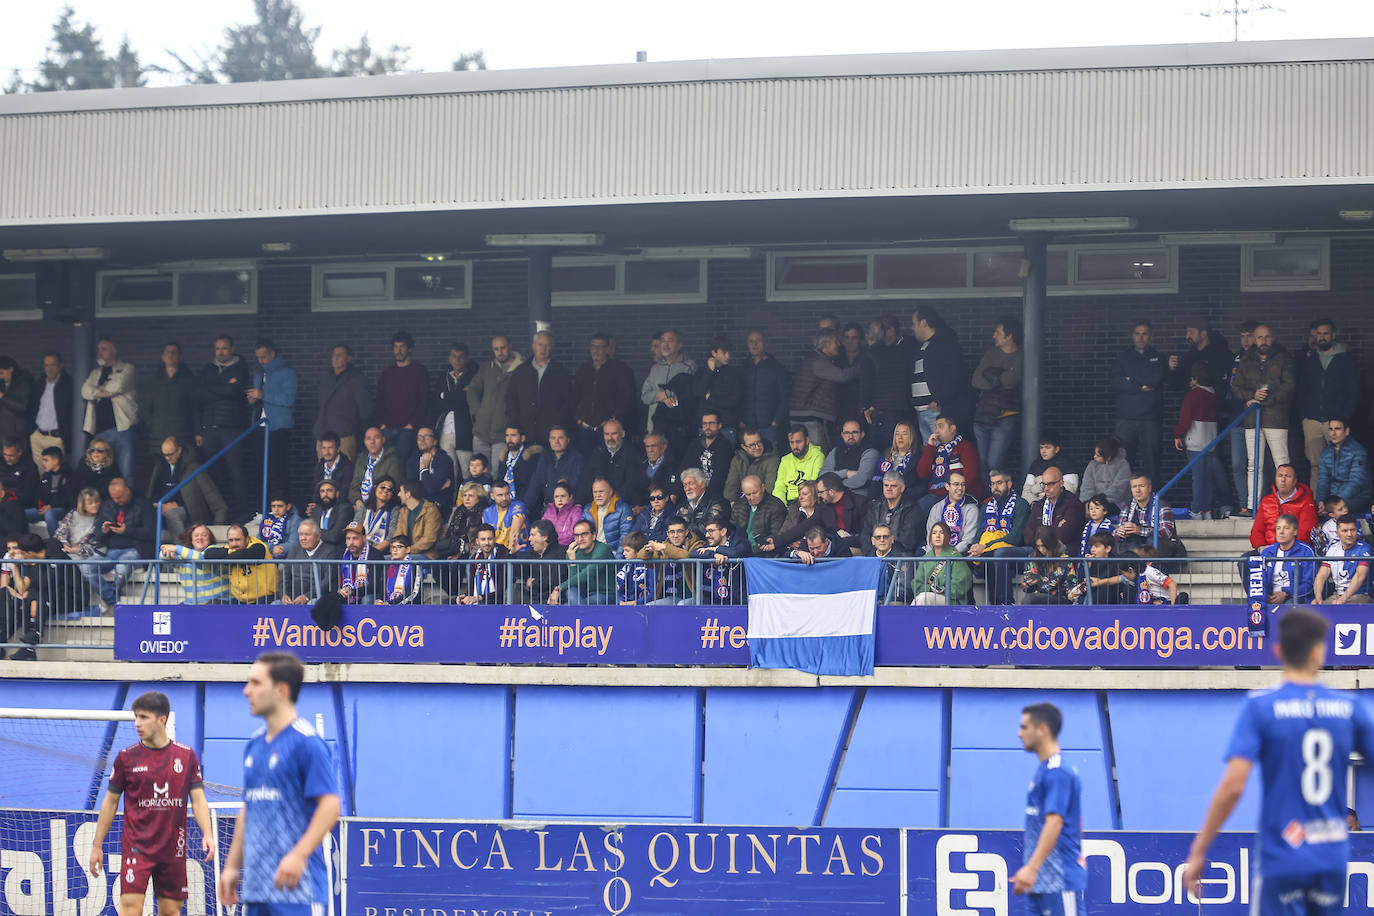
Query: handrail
point(157, 522)
point(1257, 410)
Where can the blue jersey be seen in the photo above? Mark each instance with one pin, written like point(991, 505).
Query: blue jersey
point(1301, 735)
point(283, 778)
point(1056, 789)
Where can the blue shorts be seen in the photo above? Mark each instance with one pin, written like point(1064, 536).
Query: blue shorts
point(1301, 895)
point(283, 909)
point(1058, 903)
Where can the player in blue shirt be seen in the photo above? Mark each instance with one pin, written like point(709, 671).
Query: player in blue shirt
point(1054, 876)
point(1301, 734)
point(290, 802)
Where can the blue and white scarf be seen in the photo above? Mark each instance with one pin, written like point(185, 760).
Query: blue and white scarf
point(511, 459)
point(942, 467)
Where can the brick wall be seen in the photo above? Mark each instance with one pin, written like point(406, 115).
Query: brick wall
point(1085, 332)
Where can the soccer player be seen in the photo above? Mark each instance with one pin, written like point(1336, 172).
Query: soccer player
point(1054, 876)
point(290, 801)
point(156, 776)
point(1301, 734)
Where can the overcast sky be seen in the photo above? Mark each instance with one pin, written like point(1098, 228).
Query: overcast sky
point(544, 33)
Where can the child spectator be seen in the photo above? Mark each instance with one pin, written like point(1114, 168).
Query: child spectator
point(278, 529)
point(1050, 456)
point(1103, 578)
point(1331, 509)
point(634, 581)
point(1102, 519)
point(403, 574)
point(478, 467)
point(1196, 427)
point(1153, 586)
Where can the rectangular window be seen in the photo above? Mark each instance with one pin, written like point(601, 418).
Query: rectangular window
point(942, 270)
point(601, 280)
point(19, 297)
point(1136, 266)
point(427, 284)
point(228, 289)
point(1296, 265)
point(814, 273)
point(215, 287)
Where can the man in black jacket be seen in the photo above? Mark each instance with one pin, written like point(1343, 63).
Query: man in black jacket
point(892, 354)
point(615, 460)
point(16, 401)
point(710, 453)
point(453, 425)
point(166, 404)
point(52, 409)
point(222, 413)
point(767, 391)
point(898, 514)
point(604, 389)
point(540, 395)
point(124, 533)
point(939, 379)
point(345, 406)
point(1138, 382)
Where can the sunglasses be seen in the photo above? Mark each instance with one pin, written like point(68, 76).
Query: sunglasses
point(385, 489)
point(657, 496)
point(882, 537)
point(97, 451)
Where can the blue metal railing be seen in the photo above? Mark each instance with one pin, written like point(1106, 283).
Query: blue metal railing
point(1255, 409)
point(157, 522)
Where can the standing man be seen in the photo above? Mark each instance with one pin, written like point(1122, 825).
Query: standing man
point(666, 393)
point(487, 398)
point(998, 382)
point(223, 414)
point(1138, 383)
point(16, 401)
point(1301, 734)
point(892, 356)
point(156, 776)
point(344, 402)
point(1328, 389)
point(402, 397)
point(540, 395)
point(939, 375)
point(454, 423)
point(815, 387)
point(111, 404)
point(1053, 874)
point(274, 393)
point(169, 409)
point(1265, 376)
point(291, 800)
point(53, 422)
point(604, 389)
point(767, 391)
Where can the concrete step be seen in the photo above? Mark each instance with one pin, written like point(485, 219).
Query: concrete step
point(1235, 526)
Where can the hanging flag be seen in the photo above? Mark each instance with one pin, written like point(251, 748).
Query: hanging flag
point(815, 618)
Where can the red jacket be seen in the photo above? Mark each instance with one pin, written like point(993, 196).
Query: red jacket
point(964, 457)
point(1299, 504)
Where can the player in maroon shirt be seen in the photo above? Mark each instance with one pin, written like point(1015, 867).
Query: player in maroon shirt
point(156, 776)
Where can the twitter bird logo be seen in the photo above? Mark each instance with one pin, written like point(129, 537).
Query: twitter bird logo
point(1347, 639)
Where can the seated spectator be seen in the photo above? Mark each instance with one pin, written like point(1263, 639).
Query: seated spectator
point(202, 580)
point(853, 459)
point(563, 514)
point(1287, 496)
point(757, 516)
point(28, 595)
point(1050, 578)
point(1197, 427)
point(378, 460)
point(97, 470)
point(538, 576)
point(755, 456)
point(1102, 519)
point(801, 515)
point(659, 470)
point(19, 476)
point(508, 516)
point(939, 579)
point(1343, 469)
point(329, 517)
point(560, 463)
point(355, 566)
point(1058, 508)
point(1330, 509)
point(1109, 473)
point(303, 582)
point(1346, 570)
point(418, 519)
point(455, 541)
point(486, 580)
point(615, 461)
point(587, 582)
point(676, 582)
point(55, 494)
point(881, 546)
point(698, 506)
point(75, 534)
point(609, 517)
point(723, 578)
point(1104, 578)
point(947, 451)
point(333, 465)
point(1143, 580)
point(719, 387)
point(1288, 581)
point(1142, 516)
point(1003, 520)
point(1051, 454)
point(198, 502)
point(433, 468)
point(479, 471)
point(278, 529)
point(959, 512)
point(652, 520)
point(895, 512)
point(516, 464)
point(250, 580)
point(710, 453)
point(845, 511)
point(901, 457)
point(377, 514)
point(403, 574)
point(124, 529)
point(802, 462)
point(819, 546)
point(634, 581)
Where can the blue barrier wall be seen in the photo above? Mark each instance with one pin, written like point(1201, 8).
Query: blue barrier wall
point(833, 756)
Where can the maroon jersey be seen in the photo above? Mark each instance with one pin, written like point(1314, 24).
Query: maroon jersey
point(156, 784)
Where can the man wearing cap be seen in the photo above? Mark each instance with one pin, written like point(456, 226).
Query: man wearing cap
point(356, 569)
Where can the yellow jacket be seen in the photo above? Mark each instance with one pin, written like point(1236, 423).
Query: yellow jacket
point(249, 582)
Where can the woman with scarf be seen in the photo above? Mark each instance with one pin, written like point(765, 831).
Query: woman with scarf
point(455, 542)
point(900, 457)
point(379, 511)
point(939, 579)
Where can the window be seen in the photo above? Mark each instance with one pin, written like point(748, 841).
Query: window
point(1301, 264)
point(628, 280)
point(220, 289)
point(968, 272)
point(436, 284)
point(19, 297)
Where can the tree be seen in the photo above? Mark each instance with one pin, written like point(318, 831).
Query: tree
point(361, 60)
point(276, 47)
point(76, 60)
point(471, 60)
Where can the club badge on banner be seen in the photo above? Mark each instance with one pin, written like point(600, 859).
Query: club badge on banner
point(1257, 598)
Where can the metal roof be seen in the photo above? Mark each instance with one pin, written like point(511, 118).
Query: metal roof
point(1260, 114)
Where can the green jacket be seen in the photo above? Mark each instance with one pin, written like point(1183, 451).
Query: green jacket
point(793, 470)
point(591, 578)
point(930, 576)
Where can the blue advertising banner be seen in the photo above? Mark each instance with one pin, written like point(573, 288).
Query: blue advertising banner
point(1130, 874)
point(1078, 636)
point(395, 866)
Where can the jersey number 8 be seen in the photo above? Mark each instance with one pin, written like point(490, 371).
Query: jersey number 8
point(1316, 772)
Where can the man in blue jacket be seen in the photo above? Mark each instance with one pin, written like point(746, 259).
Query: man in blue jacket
point(273, 395)
point(1328, 389)
point(1343, 469)
point(1285, 582)
point(1138, 383)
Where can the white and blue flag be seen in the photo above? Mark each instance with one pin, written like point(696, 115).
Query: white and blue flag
point(815, 618)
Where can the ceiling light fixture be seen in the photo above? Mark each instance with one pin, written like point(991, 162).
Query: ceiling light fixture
point(546, 239)
point(690, 253)
point(54, 254)
point(1074, 224)
point(1217, 238)
point(278, 247)
point(1356, 216)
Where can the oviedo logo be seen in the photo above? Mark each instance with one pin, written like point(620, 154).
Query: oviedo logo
point(162, 623)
